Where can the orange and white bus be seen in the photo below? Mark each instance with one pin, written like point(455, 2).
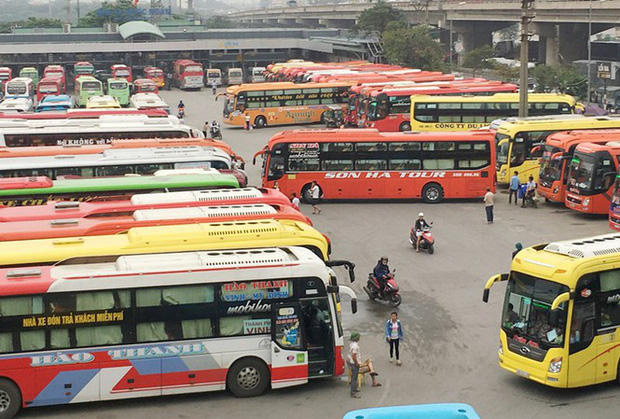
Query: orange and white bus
point(281, 103)
point(367, 164)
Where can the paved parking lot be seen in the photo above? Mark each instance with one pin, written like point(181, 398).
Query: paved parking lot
point(451, 337)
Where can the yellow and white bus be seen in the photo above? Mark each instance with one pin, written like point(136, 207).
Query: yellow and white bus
point(521, 143)
point(282, 103)
point(462, 113)
point(561, 314)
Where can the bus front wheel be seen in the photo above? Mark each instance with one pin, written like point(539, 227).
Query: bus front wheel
point(404, 127)
point(432, 193)
point(248, 377)
point(10, 399)
point(260, 122)
point(305, 194)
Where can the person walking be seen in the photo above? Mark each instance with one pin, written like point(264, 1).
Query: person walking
point(247, 122)
point(514, 187)
point(214, 86)
point(393, 336)
point(488, 205)
point(315, 196)
point(295, 201)
point(205, 129)
point(356, 366)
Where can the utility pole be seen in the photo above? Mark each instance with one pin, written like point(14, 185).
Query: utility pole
point(527, 14)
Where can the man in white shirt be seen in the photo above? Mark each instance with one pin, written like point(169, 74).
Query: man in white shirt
point(315, 196)
point(295, 201)
point(488, 205)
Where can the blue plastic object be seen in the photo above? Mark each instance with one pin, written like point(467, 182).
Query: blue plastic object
point(420, 411)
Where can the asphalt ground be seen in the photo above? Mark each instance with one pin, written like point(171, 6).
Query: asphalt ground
point(449, 352)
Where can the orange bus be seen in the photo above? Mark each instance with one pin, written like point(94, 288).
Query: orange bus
point(156, 74)
point(281, 103)
point(557, 154)
point(591, 177)
point(367, 164)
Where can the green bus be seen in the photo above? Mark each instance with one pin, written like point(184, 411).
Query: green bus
point(37, 190)
point(120, 89)
point(31, 73)
point(85, 87)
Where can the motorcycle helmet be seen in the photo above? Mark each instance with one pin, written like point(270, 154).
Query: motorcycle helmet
point(421, 214)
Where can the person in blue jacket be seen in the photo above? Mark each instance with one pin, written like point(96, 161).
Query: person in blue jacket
point(381, 272)
point(393, 336)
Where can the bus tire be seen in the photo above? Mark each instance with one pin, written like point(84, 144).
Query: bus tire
point(260, 122)
point(432, 193)
point(323, 119)
point(305, 194)
point(10, 399)
point(248, 377)
point(404, 127)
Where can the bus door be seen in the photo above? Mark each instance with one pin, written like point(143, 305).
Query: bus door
point(289, 357)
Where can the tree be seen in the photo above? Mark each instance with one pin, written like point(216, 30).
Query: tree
point(31, 22)
point(560, 79)
point(219, 22)
point(413, 48)
point(377, 18)
point(119, 11)
point(479, 58)
point(506, 73)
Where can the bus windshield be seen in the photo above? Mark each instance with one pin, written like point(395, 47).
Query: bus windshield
point(525, 317)
point(194, 69)
point(54, 74)
point(91, 86)
point(550, 168)
point(118, 85)
point(48, 88)
point(590, 174)
point(502, 151)
point(16, 88)
point(210, 74)
point(122, 73)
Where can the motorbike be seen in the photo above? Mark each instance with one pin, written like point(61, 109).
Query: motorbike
point(427, 242)
point(390, 293)
point(216, 133)
point(181, 114)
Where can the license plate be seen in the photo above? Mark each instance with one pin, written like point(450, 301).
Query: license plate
point(523, 373)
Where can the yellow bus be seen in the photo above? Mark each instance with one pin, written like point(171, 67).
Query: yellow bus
point(165, 239)
point(462, 113)
point(561, 315)
point(521, 143)
point(282, 103)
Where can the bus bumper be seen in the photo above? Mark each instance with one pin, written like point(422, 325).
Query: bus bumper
point(502, 176)
point(581, 204)
point(530, 369)
point(552, 193)
point(614, 221)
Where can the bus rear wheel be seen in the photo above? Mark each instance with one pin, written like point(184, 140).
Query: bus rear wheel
point(404, 127)
point(260, 122)
point(432, 193)
point(10, 399)
point(248, 377)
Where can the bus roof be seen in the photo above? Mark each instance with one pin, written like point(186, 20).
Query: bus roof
point(39, 185)
point(512, 127)
point(163, 239)
point(108, 120)
point(497, 97)
point(567, 139)
point(198, 266)
point(279, 86)
point(611, 146)
point(71, 227)
point(71, 209)
point(558, 260)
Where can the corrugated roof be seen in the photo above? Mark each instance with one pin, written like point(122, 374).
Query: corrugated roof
point(137, 27)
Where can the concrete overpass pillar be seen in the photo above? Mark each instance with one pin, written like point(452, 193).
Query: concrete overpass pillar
point(573, 42)
point(472, 36)
point(548, 44)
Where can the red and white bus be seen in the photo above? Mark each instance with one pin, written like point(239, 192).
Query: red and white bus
point(160, 324)
point(48, 86)
point(366, 164)
point(591, 177)
point(54, 71)
point(389, 109)
point(6, 74)
point(188, 74)
point(557, 155)
point(122, 71)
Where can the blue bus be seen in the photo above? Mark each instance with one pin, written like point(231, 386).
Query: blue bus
point(419, 411)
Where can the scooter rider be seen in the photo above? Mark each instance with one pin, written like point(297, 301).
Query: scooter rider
point(215, 128)
point(419, 227)
point(381, 272)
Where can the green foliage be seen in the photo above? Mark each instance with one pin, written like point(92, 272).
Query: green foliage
point(413, 48)
point(506, 73)
point(378, 17)
point(479, 58)
point(219, 22)
point(114, 11)
point(561, 79)
point(31, 22)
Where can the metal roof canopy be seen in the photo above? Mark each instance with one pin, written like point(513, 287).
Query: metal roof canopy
point(137, 27)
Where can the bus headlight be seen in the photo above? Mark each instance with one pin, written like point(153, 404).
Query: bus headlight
point(503, 173)
point(585, 202)
point(555, 365)
point(556, 190)
point(501, 348)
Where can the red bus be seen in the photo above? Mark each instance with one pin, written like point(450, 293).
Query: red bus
point(156, 74)
point(145, 86)
point(106, 209)
point(48, 86)
point(121, 71)
point(591, 177)
point(77, 227)
point(53, 71)
point(86, 114)
point(366, 164)
point(557, 154)
point(188, 74)
point(6, 74)
point(389, 110)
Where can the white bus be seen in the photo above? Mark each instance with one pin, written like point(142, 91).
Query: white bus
point(234, 76)
point(116, 162)
point(213, 74)
point(66, 132)
point(144, 101)
point(257, 74)
point(162, 324)
point(20, 87)
point(16, 105)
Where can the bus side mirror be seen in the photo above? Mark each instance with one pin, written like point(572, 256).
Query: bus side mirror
point(557, 155)
point(535, 150)
point(489, 284)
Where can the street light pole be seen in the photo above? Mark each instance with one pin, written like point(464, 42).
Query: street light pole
point(526, 16)
point(451, 43)
point(589, 51)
